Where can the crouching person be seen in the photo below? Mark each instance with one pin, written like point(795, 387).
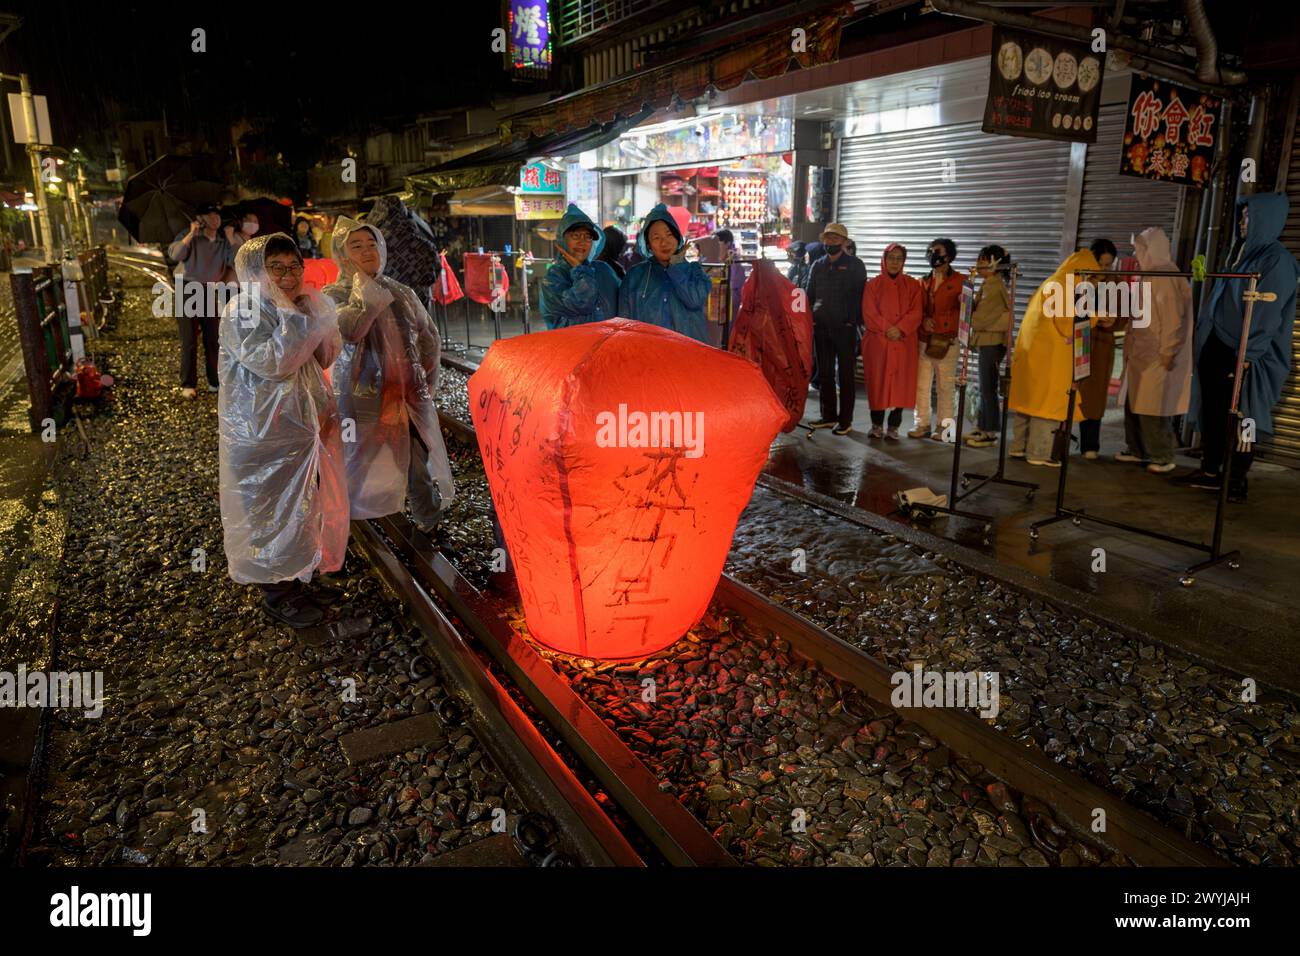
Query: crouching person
point(385, 381)
point(284, 505)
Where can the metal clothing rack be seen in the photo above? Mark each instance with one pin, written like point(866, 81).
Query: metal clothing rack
point(1233, 429)
point(999, 475)
point(951, 508)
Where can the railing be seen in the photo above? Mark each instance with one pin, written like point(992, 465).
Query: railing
point(580, 19)
point(52, 335)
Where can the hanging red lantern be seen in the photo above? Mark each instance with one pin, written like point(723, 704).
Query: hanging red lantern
point(619, 455)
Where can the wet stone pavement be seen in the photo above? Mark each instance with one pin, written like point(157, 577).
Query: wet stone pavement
point(219, 741)
point(1146, 723)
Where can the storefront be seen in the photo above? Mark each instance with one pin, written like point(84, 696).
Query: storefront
point(726, 170)
point(912, 172)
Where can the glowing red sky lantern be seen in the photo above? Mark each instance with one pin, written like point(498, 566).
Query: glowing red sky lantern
point(619, 455)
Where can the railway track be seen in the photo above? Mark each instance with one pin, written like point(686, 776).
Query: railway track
point(532, 695)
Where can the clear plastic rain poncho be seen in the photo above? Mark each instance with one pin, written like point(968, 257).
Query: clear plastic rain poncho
point(385, 381)
point(284, 507)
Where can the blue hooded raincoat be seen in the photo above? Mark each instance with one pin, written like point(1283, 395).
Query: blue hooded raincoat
point(1268, 349)
point(588, 292)
point(672, 297)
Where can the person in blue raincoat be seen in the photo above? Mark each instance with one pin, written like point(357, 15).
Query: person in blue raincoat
point(1260, 219)
point(665, 289)
point(579, 287)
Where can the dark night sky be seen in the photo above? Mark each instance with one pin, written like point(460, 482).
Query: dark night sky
point(331, 64)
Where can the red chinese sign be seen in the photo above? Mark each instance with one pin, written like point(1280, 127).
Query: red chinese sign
point(1169, 133)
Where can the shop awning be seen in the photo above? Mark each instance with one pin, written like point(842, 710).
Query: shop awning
point(762, 57)
point(499, 165)
point(482, 201)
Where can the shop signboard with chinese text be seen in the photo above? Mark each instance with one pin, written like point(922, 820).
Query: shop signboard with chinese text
point(1043, 87)
point(539, 207)
point(530, 35)
point(1169, 133)
point(537, 177)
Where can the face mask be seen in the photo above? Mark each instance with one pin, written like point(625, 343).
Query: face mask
point(248, 228)
point(833, 250)
point(938, 258)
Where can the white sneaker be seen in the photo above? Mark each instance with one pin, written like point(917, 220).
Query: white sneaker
point(1044, 462)
point(1161, 468)
point(1016, 454)
point(1090, 455)
point(1127, 456)
point(188, 393)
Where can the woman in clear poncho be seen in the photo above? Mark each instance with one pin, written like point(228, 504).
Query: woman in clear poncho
point(284, 509)
point(385, 381)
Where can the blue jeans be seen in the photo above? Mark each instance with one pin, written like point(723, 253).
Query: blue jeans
point(990, 418)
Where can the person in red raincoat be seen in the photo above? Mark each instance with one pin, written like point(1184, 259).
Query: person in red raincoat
point(891, 312)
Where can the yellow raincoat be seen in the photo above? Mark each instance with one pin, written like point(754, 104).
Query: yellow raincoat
point(1043, 362)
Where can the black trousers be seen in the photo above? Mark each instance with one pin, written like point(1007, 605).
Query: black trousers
point(836, 344)
point(1090, 434)
point(192, 330)
point(1216, 367)
point(895, 417)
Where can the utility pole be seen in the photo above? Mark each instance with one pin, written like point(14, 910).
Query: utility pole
point(34, 152)
point(46, 239)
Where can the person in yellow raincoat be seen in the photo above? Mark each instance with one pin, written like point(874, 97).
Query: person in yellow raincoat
point(1043, 364)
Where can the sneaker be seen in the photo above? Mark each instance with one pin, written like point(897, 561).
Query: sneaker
point(213, 389)
point(825, 423)
point(876, 432)
point(1128, 456)
point(1044, 462)
point(842, 429)
point(1237, 489)
point(938, 436)
point(982, 440)
point(189, 392)
point(892, 434)
point(1015, 454)
point(1090, 455)
point(1200, 478)
point(919, 432)
point(1161, 468)
point(296, 610)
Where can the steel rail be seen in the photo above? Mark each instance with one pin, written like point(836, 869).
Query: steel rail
point(678, 835)
point(533, 767)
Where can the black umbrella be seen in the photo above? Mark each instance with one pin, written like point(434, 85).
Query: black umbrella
point(161, 200)
point(272, 215)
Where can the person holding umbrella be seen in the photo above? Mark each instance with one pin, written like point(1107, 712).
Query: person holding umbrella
point(205, 250)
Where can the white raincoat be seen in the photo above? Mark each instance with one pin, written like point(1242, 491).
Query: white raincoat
point(283, 493)
point(1152, 389)
point(385, 381)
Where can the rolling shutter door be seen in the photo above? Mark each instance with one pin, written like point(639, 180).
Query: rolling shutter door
point(1285, 446)
point(1001, 189)
point(1118, 207)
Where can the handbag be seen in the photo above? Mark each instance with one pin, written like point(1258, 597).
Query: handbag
point(937, 346)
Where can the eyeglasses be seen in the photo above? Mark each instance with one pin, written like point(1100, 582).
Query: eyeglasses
point(280, 271)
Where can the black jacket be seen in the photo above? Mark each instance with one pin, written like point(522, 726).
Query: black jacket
point(835, 290)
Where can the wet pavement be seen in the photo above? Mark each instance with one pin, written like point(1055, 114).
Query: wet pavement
point(32, 530)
